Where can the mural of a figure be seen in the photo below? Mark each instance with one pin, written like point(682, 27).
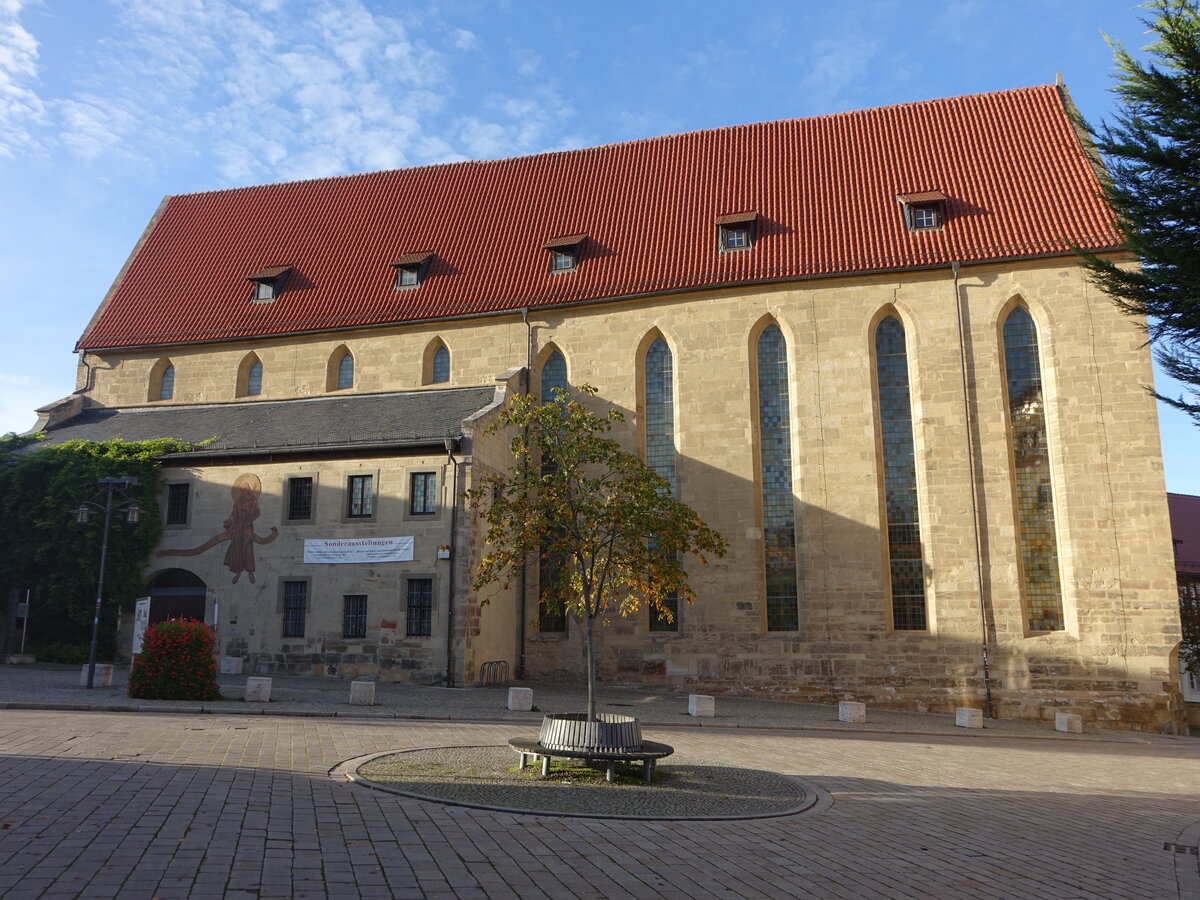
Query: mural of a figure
point(239, 530)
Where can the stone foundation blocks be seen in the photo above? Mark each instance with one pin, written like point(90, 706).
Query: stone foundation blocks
point(258, 690)
point(362, 693)
point(102, 678)
point(520, 699)
point(231, 665)
point(852, 711)
point(1072, 724)
point(965, 717)
point(701, 705)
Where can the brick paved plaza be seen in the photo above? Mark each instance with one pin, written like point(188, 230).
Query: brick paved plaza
point(160, 805)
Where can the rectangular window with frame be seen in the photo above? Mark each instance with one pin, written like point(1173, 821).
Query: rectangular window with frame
point(295, 604)
point(178, 496)
point(360, 491)
point(299, 499)
point(420, 607)
point(354, 616)
point(423, 494)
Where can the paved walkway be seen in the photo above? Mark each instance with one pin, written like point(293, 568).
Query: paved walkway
point(57, 687)
point(132, 805)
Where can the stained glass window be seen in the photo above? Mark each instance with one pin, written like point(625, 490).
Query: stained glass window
point(551, 616)
point(660, 444)
point(345, 374)
point(166, 384)
point(1031, 466)
point(906, 570)
point(775, 459)
point(441, 366)
point(254, 379)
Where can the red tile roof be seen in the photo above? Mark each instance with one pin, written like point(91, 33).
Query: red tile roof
point(824, 189)
point(1185, 529)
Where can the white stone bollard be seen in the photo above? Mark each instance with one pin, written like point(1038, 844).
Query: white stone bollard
point(701, 705)
point(231, 665)
point(362, 693)
point(520, 699)
point(103, 677)
point(965, 717)
point(1068, 722)
point(851, 711)
point(258, 690)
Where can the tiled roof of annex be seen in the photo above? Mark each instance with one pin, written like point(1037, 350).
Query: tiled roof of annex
point(1017, 179)
point(1185, 531)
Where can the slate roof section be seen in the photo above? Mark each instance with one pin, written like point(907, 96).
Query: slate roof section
point(1184, 510)
point(1019, 184)
point(318, 424)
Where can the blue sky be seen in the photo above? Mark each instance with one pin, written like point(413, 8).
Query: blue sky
point(108, 105)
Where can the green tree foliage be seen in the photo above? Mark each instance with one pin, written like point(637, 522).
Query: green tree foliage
point(1152, 149)
point(177, 662)
point(1189, 618)
point(609, 522)
point(45, 550)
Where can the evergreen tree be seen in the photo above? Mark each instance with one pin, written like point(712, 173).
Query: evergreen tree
point(1152, 149)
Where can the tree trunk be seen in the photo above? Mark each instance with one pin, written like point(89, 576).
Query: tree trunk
point(591, 666)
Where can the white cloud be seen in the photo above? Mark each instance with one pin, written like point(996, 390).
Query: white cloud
point(837, 64)
point(20, 106)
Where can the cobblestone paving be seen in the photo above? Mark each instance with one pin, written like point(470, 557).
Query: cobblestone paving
point(126, 805)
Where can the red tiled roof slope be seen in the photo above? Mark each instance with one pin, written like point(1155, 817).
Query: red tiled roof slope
point(1016, 176)
point(1184, 510)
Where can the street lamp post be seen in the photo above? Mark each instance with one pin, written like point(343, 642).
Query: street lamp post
point(120, 483)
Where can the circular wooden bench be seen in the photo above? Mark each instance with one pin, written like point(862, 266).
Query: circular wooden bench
point(649, 753)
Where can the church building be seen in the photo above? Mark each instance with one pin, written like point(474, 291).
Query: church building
point(858, 345)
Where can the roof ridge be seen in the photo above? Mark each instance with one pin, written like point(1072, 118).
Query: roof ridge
point(242, 401)
point(615, 144)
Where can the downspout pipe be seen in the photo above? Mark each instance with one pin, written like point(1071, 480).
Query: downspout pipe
point(451, 446)
point(522, 581)
point(969, 420)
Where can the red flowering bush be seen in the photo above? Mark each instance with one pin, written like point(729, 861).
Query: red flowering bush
point(177, 662)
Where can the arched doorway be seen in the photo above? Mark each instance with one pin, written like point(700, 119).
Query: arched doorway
point(176, 594)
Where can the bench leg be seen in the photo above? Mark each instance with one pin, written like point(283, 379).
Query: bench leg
point(608, 776)
point(545, 766)
point(524, 760)
point(648, 769)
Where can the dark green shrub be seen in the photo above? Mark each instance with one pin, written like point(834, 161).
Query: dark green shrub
point(176, 663)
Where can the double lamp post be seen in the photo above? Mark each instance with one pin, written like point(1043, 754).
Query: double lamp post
point(105, 501)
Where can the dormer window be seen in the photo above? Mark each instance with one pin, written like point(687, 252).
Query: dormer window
point(268, 283)
point(924, 211)
point(565, 252)
point(736, 231)
point(410, 270)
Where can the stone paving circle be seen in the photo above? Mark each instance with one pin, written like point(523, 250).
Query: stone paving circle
point(488, 777)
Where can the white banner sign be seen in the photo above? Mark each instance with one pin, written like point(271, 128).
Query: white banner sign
point(359, 550)
point(141, 621)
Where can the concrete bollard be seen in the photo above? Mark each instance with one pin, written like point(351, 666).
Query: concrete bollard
point(258, 690)
point(231, 665)
point(362, 693)
point(701, 705)
point(965, 717)
point(520, 699)
point(1068, 722)
point(852, 711)
point(103, 677)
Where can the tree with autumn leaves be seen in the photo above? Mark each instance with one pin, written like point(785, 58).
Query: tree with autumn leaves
point(616, 537)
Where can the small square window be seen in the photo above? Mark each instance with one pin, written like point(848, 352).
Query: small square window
point(269, 283)
point(423, 497)
point(924, 217)
point(360, 489)
point(410, 270)
point(736, 231)
point(561, 260)
point(565, 252)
